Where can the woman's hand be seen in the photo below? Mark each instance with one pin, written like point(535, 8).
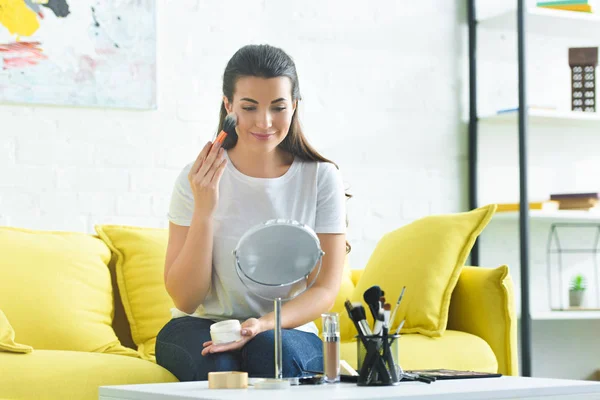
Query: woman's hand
point(250, 328)
point(204, 179)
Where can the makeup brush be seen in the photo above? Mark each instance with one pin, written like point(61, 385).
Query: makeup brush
point(361, 316)
point(400, 326)
point(356, 312)
point(371, 297)
point(386, 312)
point(398, 331)
point(229, 124)
point(377, 328)
point(397, 305)
point(349, 309)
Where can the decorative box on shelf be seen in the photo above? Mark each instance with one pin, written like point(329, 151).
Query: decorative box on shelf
point(583, 62)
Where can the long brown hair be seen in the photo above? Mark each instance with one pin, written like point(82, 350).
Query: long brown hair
point(264, 61)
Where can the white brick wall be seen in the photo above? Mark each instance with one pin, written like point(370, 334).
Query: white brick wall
point(381, 83)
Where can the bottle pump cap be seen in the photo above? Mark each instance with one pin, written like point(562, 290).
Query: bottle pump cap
point(331, 326)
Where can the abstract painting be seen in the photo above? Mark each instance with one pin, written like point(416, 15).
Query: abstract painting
point(91, 53)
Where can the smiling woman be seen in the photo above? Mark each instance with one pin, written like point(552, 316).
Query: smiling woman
point(264, 170)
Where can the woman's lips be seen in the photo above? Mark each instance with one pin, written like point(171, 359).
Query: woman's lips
point(261, 136)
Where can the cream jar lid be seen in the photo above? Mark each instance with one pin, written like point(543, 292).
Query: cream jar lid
point(226, 326)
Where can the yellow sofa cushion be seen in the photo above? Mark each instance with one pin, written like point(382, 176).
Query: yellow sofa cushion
point(140, 266)
point(59, 375)
point(454, 350)
point(7, 338)
point(426, 256)
point(56, 291)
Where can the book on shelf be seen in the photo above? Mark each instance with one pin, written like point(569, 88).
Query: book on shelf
point(547, 205)
point(575, 195)
point(577, 201)
point(561, 2)
point(575, 5)
point(585, 204)
point(529, 108)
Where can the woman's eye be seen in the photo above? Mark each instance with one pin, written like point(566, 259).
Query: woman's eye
point(249, 108)
point(279, 109)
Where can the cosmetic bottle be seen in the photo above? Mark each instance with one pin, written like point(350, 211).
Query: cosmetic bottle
point(331, 346)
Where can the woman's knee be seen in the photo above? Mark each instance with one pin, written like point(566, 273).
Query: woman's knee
point(178, 361)
point(179, 348)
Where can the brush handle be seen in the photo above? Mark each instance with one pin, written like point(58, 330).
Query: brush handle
point(397, 306)
point(388, 356)
point(377, 328)
point(400, 326)
point(366, 330)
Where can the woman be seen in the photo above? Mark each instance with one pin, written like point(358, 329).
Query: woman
point(267, 170)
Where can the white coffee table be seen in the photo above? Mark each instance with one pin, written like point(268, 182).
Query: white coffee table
point(506, 387)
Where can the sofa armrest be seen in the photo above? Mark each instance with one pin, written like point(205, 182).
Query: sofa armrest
point(483, 304)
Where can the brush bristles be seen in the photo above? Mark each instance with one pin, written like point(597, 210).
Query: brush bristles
point(359, 311)
point(229, 123)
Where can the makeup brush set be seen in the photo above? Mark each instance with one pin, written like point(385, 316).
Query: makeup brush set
point(377, 348)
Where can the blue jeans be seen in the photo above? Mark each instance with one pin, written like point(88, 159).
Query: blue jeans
point(179, 350)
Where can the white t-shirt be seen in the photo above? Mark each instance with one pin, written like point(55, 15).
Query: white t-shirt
point(311, 193)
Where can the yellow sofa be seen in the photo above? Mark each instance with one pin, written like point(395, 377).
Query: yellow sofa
point(480, 335)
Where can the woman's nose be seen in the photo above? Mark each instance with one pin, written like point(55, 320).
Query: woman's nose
point(264, 120)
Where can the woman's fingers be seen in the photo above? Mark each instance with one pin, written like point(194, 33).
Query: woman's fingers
point(220, 348)
point(207, 178)
point(218, 172)
point(209, 160)
point(199, 159)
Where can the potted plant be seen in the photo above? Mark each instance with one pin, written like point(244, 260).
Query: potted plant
point(576, 290)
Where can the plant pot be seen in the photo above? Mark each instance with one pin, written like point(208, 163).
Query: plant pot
point(575, 298)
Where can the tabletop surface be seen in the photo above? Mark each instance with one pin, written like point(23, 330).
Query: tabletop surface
point(490, 388)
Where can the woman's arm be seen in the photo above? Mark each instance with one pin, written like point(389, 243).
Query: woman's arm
point(188, 263)
point(321, 296)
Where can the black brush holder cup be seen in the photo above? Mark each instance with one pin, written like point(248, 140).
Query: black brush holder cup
point(377, 360)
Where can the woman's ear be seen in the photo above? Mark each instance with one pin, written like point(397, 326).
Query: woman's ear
point(228, 105)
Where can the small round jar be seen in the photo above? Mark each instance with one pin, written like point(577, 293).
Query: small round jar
point(227, 331)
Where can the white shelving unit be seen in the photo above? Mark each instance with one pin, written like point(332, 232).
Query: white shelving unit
point(573, 119)
point(556, 216)
point(552, 23)
point(546, 22)
point(565, 315)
